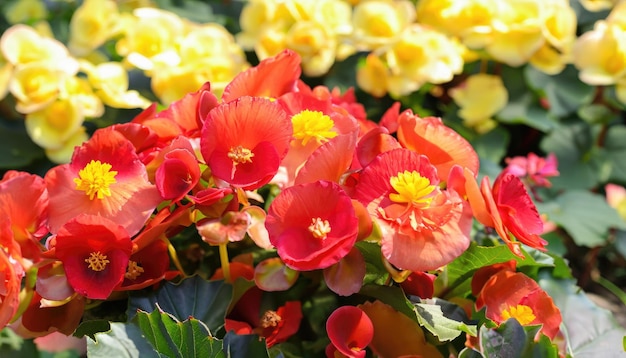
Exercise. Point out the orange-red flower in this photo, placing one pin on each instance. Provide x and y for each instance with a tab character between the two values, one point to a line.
178	171
507	207
423	226
95	252
312	225
271	78
510	294
244	141
11	273
147	267
350	330
106	178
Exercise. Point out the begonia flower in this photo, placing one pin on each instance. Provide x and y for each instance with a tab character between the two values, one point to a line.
106	178
39	319
312	225
510	294
271	78
244	141
11	273
178	172
533	169
507	207
420	284
441	144
423	227
147	267
95	252
616	198
483	274
350	331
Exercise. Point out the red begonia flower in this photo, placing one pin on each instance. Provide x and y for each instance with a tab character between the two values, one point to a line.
441	144
272	77
510	294
312	225
179	171
106	178
483	274
24	205
420	284
350	330
95	252
244	141
39	320
11	273
147	267
423	227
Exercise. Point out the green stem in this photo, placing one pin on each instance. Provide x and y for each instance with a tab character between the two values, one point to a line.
611	287
225	262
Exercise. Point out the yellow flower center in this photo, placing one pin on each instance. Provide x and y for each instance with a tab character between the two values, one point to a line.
95	178
309	125
411	187
240	155
523	314
134	270
97	261
270	319
319	228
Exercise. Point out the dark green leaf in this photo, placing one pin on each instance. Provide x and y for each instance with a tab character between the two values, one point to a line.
491	145
393	296
195	297
122	341
588	224
508	340
431	317
375	270
90	328
172	338
615	147
240	346
470	353
12	345
590	331
17	149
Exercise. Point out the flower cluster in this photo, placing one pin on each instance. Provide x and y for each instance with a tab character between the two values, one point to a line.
106	222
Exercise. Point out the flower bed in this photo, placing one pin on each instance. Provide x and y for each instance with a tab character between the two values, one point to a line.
374	178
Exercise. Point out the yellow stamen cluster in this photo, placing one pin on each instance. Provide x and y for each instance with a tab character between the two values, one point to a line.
133	271
308	125
240	155
97	261
319	228
270	319
95	178
411	187
523	314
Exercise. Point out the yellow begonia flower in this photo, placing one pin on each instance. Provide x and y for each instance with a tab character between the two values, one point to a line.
6	71
600	54
93	23
21	45
22	11
559	30
270	43
598	5
35	85
63	154
52	126
255	17
80	90
423	55
150	40
479	99
110	82
372	76
378	22
314	44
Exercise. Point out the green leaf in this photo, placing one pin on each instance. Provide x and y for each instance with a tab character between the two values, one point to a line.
90	328
173	338
565	92
492	145
195	297
615	147
393	296
17	149
122	341
12	345
572	144
584	215
431	317
375	269
590	331
513	340
470	353
244	346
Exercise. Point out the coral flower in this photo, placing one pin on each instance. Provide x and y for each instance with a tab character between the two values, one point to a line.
244	141
533	170
179	171
106	178
95	252
10	285
510	294
147	267
312	225
423	226
271	78
507	207
350	330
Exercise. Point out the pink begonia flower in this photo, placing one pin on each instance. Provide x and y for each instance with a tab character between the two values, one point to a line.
105	178
423	227
533	170
350	331
616	198
346	276
244	141
312	225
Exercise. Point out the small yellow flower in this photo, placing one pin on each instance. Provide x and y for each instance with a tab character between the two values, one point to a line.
377	23
63	154
93	22
23	11
52	126
480	98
